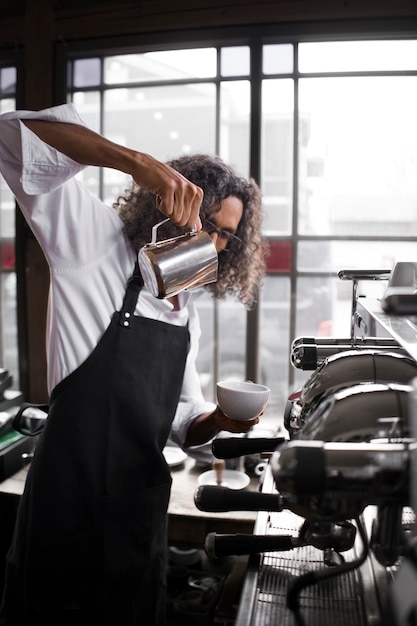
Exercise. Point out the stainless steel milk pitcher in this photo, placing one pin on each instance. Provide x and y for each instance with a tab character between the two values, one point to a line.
179	263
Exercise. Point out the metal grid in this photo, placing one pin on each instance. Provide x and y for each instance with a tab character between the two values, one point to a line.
351	599
337	601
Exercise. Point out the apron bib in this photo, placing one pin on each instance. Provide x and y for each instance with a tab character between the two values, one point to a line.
90	537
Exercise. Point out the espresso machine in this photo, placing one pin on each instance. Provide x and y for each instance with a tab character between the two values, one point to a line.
335	528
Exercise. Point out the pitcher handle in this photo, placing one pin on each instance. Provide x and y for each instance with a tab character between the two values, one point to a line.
155	228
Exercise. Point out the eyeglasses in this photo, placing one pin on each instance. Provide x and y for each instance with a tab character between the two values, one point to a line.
210	228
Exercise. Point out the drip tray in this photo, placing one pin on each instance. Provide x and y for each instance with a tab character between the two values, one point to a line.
334	602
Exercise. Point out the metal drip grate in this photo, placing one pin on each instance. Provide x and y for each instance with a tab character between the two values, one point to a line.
334	602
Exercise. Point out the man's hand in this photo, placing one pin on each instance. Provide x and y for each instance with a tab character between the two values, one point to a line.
176	197
234	426
208	425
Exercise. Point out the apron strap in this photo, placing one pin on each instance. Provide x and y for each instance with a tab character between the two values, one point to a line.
134	285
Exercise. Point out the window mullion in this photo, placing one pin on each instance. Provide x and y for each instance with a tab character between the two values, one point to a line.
252	318
294	228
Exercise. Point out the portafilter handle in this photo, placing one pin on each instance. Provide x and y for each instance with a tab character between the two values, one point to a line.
216	499
233	447
156	226
218	546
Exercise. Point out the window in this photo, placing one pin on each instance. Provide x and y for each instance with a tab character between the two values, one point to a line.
8	318
357	191
335	143
169	103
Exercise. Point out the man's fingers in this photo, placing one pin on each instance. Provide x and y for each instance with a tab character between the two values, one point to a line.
182	206
176	196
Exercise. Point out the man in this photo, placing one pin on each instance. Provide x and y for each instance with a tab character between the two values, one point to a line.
90	538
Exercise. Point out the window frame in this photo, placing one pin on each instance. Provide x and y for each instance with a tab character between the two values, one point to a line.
255	37
14	58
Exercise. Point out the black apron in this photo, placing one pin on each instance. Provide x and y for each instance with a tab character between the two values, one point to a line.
90	537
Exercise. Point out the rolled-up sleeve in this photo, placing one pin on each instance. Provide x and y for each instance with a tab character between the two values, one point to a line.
27	163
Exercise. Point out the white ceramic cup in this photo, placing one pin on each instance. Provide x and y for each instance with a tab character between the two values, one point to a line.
241	400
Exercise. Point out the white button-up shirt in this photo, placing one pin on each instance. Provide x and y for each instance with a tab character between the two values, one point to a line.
89	258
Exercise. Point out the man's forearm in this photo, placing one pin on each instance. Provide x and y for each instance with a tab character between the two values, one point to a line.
202	429
84	145
176	197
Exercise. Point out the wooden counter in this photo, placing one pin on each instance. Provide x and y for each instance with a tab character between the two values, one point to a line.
187	526
15	484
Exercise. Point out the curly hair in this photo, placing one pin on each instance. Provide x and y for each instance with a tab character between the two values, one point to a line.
240	271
